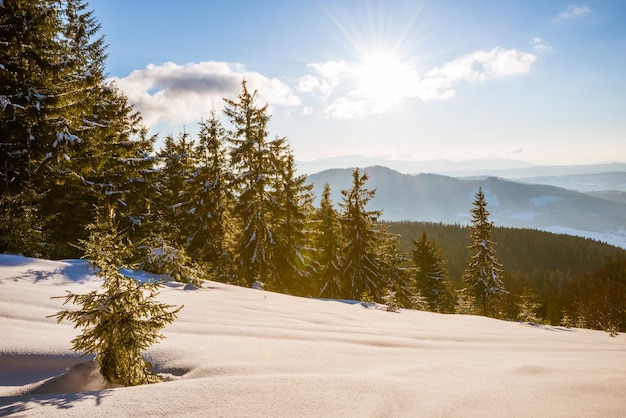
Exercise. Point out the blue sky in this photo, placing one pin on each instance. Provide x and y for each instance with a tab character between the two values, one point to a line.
538	81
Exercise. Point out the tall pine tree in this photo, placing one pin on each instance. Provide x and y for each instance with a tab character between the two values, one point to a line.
361	270
482	276
206	223
252	164
66	137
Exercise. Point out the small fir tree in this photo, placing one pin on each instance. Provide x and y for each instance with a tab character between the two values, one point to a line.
121	319
390	301
528	307
566	320
464	304
420	302
483	284
430	275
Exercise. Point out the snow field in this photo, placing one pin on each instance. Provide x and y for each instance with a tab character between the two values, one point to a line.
243	352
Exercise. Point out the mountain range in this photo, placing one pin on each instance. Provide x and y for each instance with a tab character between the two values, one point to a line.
497	167
519	203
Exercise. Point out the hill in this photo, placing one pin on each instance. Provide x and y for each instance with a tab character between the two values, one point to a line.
496	167
242	352
437	198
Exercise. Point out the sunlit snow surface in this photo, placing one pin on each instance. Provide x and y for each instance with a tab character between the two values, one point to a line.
236	352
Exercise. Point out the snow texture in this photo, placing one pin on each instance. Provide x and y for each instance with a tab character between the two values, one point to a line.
236	352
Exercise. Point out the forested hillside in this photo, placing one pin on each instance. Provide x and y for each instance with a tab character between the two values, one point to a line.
437	198
558	268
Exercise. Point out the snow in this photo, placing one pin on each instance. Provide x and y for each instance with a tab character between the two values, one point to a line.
242	352
616	238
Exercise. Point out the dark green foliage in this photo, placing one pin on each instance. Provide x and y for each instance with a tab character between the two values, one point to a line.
121	319
430	275
601	297
176	159
551	265
252	165
21	226
64	133
31	85
206	221
482	276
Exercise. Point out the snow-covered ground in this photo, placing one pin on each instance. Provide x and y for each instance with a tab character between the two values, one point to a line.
616	238
236	352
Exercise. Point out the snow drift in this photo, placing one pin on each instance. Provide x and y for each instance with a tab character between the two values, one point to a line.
244	352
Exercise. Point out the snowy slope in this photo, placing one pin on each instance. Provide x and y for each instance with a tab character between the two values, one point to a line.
238	352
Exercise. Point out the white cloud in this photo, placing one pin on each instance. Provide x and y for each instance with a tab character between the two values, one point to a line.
180	94
172	93
573	11
350	92
540	46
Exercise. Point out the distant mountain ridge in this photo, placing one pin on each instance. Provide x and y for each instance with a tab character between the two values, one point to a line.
497	167
438	198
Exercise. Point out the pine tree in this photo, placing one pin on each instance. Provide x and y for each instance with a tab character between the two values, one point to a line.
21	225
113	166
206	223
31	78
176	159
328	244
483	284
291	250
64	133
430	275
120	320
392	262
528	306
252	165
361	271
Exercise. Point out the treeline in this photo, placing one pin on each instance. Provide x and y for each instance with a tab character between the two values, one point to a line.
77	166
568	275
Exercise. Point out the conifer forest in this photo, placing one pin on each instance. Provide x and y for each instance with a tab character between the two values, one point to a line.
227	204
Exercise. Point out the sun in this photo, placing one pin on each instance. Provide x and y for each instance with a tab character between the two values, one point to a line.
381	75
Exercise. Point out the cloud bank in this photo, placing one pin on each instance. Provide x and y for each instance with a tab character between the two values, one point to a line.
341	85
179	94
172	93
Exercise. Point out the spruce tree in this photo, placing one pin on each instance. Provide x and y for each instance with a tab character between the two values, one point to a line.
392	262
328	244
65	134
483	284
177	163
31	79
527	307
120	320
291	251
206	223
252	164
361	271
430	275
